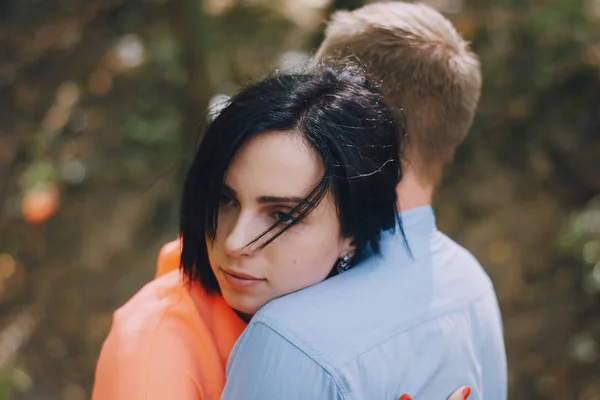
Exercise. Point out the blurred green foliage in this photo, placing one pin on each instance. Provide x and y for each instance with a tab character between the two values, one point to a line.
6	384
580	240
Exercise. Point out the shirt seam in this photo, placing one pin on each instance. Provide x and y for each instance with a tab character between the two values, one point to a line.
291	338
318	358
434	316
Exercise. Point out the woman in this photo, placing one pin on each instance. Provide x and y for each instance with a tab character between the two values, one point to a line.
292	182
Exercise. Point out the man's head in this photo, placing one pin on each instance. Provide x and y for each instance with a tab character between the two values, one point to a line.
429	77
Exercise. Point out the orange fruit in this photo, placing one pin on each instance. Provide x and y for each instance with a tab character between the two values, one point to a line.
40	204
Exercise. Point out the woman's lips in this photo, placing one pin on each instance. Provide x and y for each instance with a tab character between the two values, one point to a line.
238	280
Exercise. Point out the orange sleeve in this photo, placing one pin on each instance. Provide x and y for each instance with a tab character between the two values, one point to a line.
169	258
147	365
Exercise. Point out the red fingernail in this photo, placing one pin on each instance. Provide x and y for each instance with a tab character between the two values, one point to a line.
466	392
405	397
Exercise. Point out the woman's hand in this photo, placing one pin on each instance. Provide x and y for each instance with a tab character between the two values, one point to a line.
460	394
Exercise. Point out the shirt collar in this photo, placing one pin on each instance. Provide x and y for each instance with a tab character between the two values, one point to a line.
418	220
418	225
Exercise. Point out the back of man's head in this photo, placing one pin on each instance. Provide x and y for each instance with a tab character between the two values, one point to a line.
429	77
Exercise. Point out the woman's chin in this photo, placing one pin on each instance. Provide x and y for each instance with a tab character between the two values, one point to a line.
242	304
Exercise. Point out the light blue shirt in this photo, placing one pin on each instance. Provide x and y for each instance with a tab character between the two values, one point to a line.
424	324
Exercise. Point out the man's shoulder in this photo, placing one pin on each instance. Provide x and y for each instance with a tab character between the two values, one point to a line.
456	262
459	251
340	318
382	297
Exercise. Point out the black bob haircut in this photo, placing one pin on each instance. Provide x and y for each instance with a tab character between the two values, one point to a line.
342	117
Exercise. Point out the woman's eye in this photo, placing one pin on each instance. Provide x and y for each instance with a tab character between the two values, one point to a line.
283	218
225	200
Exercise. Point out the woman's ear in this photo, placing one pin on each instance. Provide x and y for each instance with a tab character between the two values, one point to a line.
347	247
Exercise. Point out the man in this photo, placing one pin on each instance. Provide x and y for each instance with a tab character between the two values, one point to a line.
422	320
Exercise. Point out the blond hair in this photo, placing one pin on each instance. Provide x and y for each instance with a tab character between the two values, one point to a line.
428	76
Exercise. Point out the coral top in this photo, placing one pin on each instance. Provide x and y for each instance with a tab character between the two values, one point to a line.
168	258
169	341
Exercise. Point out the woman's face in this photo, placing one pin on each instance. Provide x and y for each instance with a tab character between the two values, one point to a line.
266	179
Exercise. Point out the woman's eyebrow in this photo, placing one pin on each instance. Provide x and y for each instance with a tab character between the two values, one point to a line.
277	199
265	199
227	189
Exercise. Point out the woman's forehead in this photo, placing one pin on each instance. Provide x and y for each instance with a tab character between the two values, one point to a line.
278	163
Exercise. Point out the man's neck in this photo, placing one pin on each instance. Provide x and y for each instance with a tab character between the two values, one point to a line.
412	192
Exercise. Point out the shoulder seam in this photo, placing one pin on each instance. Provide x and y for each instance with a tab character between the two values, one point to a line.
448	310
305	349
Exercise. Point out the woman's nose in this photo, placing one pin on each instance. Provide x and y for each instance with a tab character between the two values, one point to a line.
239	236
